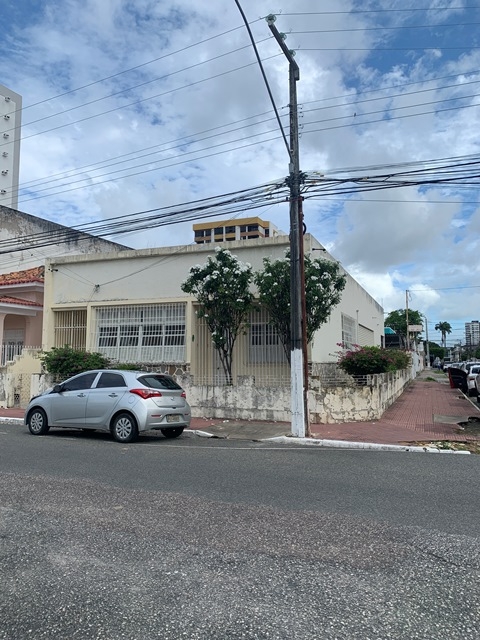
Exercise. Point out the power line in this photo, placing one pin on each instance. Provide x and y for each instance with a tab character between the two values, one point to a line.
122	91
89	177
158	95
382	28
269	91
361	11
52	178
139	66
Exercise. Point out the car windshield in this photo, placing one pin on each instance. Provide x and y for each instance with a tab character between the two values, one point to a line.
159	382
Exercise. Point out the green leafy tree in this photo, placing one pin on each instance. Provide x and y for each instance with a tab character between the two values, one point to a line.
65	362
435	350
222	288
397	320
323	288
444	328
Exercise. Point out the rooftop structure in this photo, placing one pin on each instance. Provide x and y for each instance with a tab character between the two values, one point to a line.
231	230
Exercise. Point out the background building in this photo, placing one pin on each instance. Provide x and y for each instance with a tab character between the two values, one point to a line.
241	229
472	333
10	132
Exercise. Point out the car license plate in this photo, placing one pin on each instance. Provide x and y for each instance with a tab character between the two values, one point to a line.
173	418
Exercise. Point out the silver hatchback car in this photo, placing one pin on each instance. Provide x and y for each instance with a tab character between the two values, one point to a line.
122	402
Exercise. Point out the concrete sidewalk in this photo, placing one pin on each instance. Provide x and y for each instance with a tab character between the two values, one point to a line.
427	411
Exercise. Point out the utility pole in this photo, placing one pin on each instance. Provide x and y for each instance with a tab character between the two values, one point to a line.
406	318
428	346
298	366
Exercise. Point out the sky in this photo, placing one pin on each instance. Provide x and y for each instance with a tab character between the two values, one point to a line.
136	105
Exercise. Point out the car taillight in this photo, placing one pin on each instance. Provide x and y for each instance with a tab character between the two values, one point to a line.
146	393
183	394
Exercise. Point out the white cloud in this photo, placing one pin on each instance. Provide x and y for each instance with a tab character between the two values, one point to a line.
370	97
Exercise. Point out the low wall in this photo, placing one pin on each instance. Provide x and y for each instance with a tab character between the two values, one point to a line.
331	400
16	378
367	399
346	400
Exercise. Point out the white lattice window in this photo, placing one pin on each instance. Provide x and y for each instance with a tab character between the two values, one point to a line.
142	333
264	343
348	331
70	328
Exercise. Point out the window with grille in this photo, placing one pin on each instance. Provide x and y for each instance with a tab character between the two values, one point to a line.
142	333
70	328
264	342
348	331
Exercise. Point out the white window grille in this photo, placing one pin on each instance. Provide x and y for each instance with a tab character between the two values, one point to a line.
264	343
142	333
348	331
258	354
70	328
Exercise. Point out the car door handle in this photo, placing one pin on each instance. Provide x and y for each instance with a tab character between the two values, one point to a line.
81	395
113	395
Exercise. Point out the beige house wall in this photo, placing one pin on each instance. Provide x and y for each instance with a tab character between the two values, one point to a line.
156	275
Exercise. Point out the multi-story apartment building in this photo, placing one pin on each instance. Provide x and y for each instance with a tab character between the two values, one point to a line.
10	132
472	333
241	229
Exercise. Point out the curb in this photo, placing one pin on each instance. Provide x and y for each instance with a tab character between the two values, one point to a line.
313	442
345	444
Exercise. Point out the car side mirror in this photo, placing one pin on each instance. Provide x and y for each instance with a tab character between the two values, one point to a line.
58	388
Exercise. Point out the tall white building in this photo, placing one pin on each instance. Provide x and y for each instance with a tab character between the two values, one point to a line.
10	132
472	333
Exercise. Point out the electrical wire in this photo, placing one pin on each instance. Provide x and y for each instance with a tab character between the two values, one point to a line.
267	85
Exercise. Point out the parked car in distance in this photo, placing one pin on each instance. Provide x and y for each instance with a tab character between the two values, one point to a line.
472	375
477	387
124	403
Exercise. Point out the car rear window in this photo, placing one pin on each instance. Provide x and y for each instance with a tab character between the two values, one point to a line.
159	382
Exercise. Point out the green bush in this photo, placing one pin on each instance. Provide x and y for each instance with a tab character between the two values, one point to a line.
367	360
64	362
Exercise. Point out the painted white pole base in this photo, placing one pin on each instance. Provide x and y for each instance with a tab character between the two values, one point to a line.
297	405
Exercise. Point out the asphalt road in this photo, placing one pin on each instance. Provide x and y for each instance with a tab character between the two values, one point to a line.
212	539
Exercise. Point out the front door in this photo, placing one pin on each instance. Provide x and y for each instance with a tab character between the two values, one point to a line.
68	407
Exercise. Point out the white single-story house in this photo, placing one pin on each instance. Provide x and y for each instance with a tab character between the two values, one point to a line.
129	305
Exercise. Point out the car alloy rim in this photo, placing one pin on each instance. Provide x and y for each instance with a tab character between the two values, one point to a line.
123	428
36	422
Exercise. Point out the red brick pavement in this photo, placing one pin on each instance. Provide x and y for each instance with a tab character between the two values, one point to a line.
426	411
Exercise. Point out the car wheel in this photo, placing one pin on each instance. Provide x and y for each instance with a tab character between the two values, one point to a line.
124	428
37	422
174	432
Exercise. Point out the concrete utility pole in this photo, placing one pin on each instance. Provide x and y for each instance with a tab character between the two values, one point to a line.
297	275
406	318
428	346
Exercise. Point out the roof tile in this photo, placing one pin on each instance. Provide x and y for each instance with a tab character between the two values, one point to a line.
36	274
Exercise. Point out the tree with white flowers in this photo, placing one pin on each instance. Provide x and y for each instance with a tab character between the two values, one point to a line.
222	289
324	284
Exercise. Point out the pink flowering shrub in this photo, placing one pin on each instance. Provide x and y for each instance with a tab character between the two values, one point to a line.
360	361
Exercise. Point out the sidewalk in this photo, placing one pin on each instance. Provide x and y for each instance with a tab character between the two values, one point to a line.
427	411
